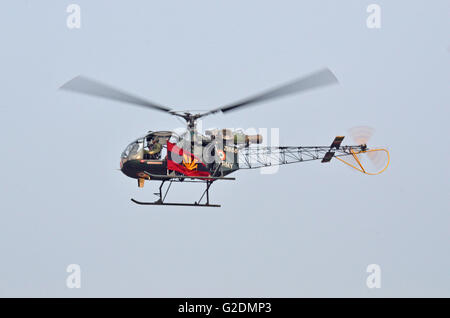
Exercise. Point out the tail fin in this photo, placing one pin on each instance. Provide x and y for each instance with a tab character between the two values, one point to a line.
335	144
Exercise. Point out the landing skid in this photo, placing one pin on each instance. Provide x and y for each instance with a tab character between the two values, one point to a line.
176	204
162	197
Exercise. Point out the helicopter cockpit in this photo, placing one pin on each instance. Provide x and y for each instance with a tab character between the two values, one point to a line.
152	146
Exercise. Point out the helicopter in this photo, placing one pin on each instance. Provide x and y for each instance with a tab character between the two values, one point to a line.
191	156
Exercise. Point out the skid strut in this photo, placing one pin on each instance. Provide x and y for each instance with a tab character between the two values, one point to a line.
162	197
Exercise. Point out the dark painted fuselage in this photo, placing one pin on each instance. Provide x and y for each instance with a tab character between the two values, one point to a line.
136	168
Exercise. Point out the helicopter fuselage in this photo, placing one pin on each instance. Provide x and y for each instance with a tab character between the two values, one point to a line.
209	157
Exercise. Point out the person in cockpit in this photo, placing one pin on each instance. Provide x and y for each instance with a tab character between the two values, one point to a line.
154	149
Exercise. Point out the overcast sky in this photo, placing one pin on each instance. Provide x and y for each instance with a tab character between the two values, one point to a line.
311	229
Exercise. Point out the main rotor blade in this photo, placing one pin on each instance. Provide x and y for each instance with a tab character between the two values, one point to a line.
84	85
315	80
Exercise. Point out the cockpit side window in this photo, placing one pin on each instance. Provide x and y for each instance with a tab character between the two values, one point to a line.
154	146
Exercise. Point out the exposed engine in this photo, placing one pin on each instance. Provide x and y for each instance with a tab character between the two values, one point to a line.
238	137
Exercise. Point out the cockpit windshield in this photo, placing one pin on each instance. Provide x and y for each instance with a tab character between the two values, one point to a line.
133	150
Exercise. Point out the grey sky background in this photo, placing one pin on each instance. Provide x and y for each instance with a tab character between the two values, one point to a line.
309	230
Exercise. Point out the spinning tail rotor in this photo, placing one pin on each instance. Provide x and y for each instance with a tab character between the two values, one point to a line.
371	161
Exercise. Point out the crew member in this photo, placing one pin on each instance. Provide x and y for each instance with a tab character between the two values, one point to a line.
154	149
